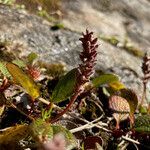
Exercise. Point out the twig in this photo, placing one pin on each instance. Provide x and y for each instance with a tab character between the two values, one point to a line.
86	126
91	125
96	100
44	101
122	145
130	140
98	125
10	104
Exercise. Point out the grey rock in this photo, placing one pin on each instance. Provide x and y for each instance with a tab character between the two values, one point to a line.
111	17
64	46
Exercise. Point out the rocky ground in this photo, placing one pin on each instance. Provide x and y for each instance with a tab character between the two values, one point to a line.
111	17
122	28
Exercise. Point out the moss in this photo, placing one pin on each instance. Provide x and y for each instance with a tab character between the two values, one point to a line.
129	48
7	2
112	40
57	26
32	5
7	49
55	70
135	51
48	9
5	55
44	14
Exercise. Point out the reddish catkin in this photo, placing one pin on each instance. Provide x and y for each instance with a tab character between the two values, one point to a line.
87	56
34	72
146	78
146	68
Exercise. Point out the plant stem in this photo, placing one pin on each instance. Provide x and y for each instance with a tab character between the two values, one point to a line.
73	98
144	94
149	108
50	107
132	120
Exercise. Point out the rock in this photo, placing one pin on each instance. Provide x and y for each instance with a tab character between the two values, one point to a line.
123	18
64	46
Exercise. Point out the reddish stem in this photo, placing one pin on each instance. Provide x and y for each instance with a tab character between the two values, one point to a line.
144	94
132	120
73	98
117	125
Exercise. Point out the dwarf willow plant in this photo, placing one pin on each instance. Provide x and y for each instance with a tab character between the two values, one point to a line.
70	85
123	102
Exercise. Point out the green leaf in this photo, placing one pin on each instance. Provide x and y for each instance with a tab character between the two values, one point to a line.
143	120
26	82
19	63
31	57
117	85
142	124
41	129
143	129
69	137
4	70
104	79
65	87
142	109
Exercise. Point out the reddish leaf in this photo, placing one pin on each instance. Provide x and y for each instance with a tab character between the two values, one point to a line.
120	108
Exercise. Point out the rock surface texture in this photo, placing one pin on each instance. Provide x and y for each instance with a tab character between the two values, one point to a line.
35	34
111	17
